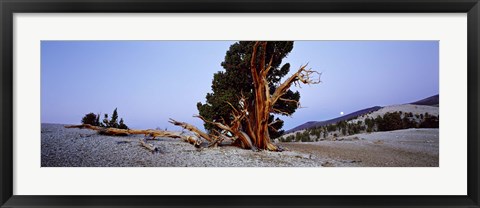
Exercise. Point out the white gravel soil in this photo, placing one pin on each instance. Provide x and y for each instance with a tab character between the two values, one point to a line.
63	147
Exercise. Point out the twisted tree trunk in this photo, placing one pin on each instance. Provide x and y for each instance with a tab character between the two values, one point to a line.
264	101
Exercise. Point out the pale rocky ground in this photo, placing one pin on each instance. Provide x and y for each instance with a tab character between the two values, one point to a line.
61	147
400	148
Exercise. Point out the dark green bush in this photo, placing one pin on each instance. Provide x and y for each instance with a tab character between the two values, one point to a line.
390	121
430	121
90	118
94	120
122	125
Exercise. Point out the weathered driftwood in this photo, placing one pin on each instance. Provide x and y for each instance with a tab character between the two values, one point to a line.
150	134
150	147
125	132
84	126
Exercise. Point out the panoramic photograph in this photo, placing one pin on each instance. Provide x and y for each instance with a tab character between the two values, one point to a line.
240	103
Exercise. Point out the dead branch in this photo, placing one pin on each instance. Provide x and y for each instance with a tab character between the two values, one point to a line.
297	103
280	111
192	129
150	133
84	126
193	140
218	138
302	75
150	147
217	124
234	129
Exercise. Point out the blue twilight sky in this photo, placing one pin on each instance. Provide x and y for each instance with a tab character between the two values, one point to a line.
151	81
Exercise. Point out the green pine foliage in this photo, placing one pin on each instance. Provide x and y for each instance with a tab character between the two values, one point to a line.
391	121
90	118
430	121
114	121
122	125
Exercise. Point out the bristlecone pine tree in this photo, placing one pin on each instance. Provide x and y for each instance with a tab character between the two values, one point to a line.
237	80
248	124
249	117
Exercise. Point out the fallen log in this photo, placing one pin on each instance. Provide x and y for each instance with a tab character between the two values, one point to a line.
84	126
113	132
126	132
152	134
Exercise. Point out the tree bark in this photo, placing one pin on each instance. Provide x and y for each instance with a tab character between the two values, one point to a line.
257	123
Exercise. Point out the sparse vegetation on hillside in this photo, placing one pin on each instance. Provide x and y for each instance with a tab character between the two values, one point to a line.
388	122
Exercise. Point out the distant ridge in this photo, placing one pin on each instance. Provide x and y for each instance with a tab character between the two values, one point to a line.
431	101
312	124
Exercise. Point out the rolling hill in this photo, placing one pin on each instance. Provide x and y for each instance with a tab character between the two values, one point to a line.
312	124
424	105
431	101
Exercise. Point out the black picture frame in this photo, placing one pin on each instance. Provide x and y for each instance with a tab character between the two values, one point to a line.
9	7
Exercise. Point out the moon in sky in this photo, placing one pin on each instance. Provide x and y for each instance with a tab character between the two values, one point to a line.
341	113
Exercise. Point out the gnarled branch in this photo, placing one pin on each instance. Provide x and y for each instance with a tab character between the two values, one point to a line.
302	75
192	129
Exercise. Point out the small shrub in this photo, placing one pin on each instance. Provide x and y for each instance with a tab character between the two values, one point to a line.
122	125
91	119
430	121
